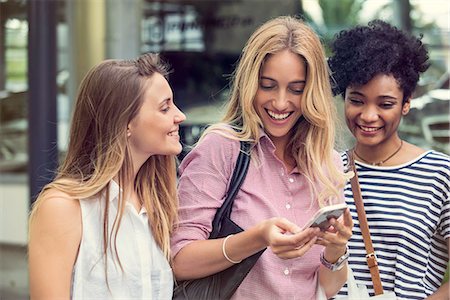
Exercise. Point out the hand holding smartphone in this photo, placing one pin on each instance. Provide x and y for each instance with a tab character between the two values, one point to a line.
322	216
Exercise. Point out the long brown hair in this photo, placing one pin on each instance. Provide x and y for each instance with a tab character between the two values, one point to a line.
313	141
109	97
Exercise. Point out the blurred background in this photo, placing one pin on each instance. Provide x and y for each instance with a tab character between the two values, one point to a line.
46	47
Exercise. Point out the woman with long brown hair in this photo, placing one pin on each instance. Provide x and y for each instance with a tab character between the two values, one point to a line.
101	228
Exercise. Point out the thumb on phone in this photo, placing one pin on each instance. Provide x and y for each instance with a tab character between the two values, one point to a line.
287	226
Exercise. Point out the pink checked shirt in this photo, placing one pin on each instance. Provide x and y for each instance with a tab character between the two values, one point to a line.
268	191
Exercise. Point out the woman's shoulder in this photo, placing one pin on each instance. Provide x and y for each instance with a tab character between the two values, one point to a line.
338	159
55	212
54	204
336	155
215	148
221	134
424	160
438	157
53	198
217	143
435	163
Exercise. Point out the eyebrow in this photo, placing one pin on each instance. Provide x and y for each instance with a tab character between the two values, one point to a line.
162	102
271	79
381	96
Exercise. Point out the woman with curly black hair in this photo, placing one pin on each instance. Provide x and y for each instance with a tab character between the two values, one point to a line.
405	189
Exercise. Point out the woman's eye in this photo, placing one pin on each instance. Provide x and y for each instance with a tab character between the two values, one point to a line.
165	109
355	101
297	92
297	88
387	105
266	87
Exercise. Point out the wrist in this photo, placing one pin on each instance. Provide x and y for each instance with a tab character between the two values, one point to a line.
332	255
262	239
224	251
336	265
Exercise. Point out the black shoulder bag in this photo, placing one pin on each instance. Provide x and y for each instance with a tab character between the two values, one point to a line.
222	285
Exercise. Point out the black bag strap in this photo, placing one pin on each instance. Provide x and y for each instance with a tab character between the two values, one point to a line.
239	173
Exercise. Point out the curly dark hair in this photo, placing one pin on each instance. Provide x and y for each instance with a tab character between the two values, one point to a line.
362	52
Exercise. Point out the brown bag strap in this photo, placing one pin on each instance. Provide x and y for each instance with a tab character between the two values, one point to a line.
370	256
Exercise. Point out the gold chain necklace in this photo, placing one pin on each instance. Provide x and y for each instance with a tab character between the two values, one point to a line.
381	161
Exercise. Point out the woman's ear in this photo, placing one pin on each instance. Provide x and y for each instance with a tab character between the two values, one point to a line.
406	107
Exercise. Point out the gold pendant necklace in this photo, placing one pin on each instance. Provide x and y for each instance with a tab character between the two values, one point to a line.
381	161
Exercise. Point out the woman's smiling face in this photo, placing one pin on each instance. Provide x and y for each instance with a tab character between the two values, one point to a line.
154	131
374	110
277	101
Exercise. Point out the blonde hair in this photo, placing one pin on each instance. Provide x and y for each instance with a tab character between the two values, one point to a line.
313	141
109	97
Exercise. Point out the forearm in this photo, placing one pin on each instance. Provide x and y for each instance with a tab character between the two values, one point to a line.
442	293
332	282
202	258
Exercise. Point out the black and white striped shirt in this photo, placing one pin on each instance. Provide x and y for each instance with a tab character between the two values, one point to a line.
408	212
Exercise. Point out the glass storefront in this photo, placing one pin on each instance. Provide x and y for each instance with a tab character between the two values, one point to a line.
202	41
13	87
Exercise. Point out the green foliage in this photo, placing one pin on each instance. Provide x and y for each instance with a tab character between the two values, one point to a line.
340	14
343	14
337	15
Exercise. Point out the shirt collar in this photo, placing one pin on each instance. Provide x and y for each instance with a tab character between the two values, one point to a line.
263	137
114	190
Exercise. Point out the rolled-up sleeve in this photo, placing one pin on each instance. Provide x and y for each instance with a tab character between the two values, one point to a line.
204	178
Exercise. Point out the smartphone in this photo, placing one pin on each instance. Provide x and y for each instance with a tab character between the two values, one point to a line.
322	216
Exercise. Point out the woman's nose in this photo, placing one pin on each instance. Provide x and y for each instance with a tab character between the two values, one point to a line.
281	101
179	116
369	114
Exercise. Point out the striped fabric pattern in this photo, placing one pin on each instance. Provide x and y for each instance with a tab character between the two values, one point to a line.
408	211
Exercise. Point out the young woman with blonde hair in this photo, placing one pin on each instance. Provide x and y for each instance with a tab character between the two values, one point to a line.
101	228
281	102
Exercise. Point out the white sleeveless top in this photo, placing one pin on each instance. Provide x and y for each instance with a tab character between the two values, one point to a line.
146	272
